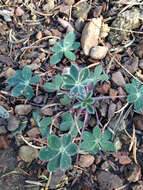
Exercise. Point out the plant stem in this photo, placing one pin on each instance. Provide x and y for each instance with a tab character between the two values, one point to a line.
75	120
83	128
108	97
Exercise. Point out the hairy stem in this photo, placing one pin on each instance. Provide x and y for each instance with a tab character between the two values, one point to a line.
83	128
108	97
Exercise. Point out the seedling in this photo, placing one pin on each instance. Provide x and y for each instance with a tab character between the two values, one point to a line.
64	47
135	90
58	152
21	82
93	142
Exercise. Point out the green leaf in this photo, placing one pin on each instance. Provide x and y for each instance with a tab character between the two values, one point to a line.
93	142
107	135
35	79
44	129
98	70
45	122
75	46
65	100
82	91
54	164
131	98
57	47
68	79
4	113
69	39
136	83
36	116
50	87
28	92
65	161
71	149
66	140
74	72
74	91
66	125
58	81
18	90
47	153
107	146
21	82
70	55
131	89
56	58
84	74
90	109
54	142
97	132
27	73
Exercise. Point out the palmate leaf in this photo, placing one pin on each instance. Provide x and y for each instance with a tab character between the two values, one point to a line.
135	95
69	40
58	152
97	76
68	54
64	47
74	72
92	142
56	58
21	82
65	100
27	73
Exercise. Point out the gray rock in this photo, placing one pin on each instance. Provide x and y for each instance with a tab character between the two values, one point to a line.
13	123
90	34
27	153
107	180
132	64
98	52
23	109
81	10
118	79
38	99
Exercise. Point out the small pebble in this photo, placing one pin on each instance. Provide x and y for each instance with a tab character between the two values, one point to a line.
86	160
98	52
27	153
38	99
23	109
118	79
13	123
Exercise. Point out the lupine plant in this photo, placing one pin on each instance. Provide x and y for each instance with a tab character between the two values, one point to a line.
21	83
58	152
64	47
76	90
